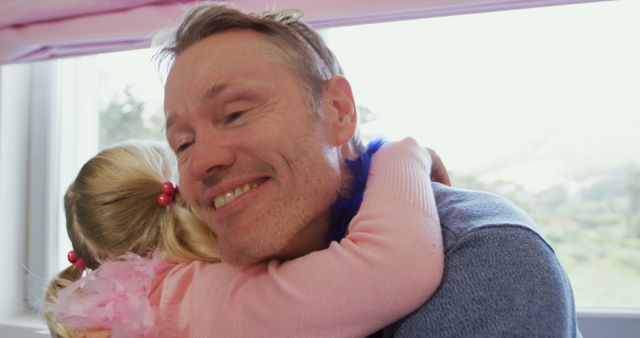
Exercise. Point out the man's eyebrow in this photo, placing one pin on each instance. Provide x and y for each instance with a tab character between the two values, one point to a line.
214	90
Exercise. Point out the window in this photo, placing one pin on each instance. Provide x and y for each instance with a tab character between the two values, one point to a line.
538	105
55	115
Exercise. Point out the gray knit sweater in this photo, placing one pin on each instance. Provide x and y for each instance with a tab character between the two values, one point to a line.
501	279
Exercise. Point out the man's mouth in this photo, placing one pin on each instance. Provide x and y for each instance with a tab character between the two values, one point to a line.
229	196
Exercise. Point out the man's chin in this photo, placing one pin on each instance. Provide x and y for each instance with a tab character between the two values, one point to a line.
241	256
240	260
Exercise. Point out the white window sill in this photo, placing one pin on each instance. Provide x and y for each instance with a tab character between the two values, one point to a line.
24	327
621	323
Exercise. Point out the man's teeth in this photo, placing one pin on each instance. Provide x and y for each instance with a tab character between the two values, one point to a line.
230	196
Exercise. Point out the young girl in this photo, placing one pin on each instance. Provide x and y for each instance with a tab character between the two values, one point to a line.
155	270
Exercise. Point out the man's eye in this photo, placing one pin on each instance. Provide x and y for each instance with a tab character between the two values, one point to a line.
233	116
182	147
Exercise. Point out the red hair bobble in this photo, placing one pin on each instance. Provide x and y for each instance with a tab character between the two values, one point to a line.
168	194
73	258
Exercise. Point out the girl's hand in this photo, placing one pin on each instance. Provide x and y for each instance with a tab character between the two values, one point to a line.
438	170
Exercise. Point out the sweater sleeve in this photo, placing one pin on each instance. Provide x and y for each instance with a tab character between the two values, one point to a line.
502	278
389	263
501	281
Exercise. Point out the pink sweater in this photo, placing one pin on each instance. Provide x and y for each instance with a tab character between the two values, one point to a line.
389	263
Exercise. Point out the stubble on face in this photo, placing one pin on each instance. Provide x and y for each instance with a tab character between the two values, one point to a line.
293	225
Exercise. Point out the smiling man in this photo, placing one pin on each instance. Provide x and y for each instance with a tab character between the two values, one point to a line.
260	166
262	122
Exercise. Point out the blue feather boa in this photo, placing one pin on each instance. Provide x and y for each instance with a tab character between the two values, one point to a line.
346	207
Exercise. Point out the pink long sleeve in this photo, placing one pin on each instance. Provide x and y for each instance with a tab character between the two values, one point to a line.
390	262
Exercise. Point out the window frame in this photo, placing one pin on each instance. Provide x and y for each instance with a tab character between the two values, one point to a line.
16	169
39	141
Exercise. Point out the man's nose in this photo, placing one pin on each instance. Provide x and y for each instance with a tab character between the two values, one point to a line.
209	156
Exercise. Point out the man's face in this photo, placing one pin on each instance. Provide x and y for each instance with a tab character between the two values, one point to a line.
255	162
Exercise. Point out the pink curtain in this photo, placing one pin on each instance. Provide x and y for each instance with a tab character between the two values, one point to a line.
33	30
37	30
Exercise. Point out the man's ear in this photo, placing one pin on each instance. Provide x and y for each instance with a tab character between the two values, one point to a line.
340	109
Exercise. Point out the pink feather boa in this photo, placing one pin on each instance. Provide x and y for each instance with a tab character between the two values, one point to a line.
114	296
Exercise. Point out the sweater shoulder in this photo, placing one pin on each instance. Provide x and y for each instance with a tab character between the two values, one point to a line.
464	211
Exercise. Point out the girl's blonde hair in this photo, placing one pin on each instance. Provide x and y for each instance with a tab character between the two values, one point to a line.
111	210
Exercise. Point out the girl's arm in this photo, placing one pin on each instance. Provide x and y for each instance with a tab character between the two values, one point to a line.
389	264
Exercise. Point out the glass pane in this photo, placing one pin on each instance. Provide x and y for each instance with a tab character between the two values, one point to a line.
131	95
538	105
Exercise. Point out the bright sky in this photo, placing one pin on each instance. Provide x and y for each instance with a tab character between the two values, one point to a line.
136	69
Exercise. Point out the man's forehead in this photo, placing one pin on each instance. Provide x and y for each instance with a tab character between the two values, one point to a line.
223	61
207	61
